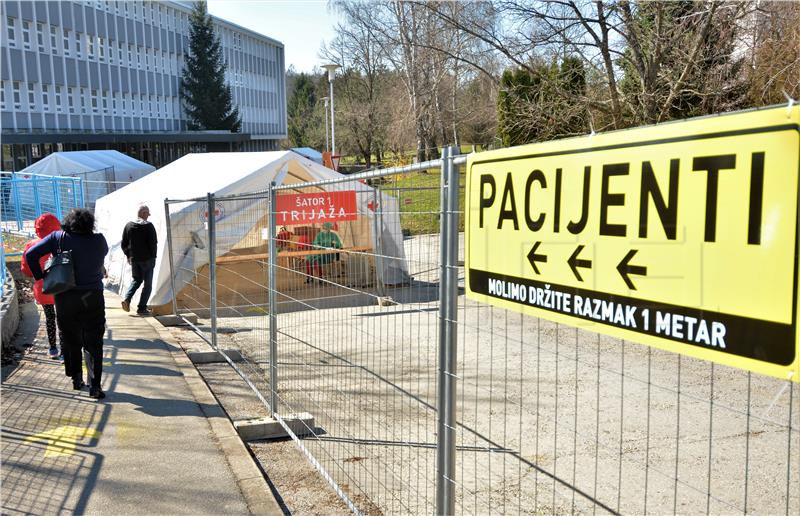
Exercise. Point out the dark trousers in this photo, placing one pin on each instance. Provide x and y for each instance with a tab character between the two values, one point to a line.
142	273
81	316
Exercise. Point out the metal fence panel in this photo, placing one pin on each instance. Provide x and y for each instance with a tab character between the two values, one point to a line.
25	198
517	415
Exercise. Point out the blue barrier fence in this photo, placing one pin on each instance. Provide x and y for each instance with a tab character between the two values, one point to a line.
24	198
2	266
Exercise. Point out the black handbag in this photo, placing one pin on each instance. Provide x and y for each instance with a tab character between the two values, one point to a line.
59	273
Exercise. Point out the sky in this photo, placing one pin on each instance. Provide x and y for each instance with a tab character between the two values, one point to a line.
301	25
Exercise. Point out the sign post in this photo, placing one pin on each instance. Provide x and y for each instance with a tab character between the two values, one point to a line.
682	236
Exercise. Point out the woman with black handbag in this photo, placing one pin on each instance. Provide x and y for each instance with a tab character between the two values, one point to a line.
80	308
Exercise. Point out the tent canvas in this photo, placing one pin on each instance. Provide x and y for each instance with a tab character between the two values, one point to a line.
308	152
193	177
103	171
76	163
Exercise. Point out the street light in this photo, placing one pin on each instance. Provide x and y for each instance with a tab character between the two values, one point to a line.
331	72
327	141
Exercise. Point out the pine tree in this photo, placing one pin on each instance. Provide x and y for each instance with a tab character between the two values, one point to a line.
300	111
206	97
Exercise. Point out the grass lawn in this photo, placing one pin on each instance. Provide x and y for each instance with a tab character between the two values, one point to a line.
419	197
13	244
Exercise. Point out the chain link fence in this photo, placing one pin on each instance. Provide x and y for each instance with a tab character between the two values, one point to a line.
344	299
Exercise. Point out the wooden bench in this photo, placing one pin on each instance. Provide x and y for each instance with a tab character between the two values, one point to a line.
240	258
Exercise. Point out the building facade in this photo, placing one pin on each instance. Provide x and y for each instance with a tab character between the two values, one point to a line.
106	74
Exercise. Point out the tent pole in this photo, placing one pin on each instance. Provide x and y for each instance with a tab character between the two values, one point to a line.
171	263
378	251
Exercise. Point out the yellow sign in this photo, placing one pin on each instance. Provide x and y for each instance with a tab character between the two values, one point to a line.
682	236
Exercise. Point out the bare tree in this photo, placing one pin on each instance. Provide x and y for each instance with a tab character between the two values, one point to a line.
772	41
362	88
661	48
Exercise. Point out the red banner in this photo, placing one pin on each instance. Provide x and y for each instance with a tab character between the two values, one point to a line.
316	208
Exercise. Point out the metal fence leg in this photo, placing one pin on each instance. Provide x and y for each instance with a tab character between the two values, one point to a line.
448	299
37	202
57	198
376	225
82	197
17	210
212	268
273	307
171	263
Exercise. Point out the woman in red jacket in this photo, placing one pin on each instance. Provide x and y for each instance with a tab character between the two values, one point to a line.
44	225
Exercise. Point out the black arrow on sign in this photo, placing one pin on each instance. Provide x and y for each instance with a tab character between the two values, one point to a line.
533	257
624	269
574	262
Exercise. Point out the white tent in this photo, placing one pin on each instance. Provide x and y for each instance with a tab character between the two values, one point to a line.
80	163
196	175
103	171
308	152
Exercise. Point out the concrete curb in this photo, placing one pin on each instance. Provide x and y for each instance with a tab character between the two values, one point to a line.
9	308
246	473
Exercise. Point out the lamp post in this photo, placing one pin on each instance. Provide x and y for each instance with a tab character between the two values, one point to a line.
327	141
331	72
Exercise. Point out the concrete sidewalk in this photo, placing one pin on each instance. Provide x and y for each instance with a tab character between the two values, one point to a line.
157	444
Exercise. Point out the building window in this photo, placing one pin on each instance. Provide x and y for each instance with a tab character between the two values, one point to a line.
90	46
53	40
78	39
130	49
105	102
31	97
101	48
147	59
17	95
94	101
139	57
66	42
26	34
12	36
124	105
40	36
2	94
59	107
83	100
114	105
45	98
119	52
70	100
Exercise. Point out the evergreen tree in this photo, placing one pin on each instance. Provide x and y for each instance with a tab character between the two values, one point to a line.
206	98
543	103
300	111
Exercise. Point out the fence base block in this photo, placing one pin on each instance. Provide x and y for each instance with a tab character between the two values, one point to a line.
175	320
212	357
269	428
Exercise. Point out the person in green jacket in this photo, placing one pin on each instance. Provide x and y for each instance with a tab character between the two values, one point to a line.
325	239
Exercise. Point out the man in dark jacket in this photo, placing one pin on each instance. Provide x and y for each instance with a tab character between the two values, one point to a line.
139	245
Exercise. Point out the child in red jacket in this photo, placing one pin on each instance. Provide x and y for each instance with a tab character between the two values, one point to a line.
44	225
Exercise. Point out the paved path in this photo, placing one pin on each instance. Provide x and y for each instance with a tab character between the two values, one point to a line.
157	444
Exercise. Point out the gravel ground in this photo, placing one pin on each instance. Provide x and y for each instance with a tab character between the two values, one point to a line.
552	419
299	487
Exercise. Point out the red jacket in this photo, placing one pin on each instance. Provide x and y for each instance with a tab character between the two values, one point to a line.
44	225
